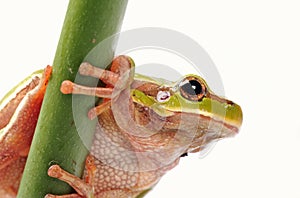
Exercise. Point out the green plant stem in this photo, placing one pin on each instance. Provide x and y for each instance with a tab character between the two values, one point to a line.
56	140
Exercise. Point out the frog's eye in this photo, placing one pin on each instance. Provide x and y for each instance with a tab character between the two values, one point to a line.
192	88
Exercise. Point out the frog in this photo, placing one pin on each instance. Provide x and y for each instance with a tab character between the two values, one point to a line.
145	126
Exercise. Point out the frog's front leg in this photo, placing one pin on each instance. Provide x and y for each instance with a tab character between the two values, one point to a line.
121	73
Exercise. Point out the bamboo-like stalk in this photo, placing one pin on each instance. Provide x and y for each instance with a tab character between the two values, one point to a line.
56	140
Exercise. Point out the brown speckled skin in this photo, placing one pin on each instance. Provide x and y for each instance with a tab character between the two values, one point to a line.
18	121
118	167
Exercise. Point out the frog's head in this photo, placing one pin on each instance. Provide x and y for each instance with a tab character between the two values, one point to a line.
188	107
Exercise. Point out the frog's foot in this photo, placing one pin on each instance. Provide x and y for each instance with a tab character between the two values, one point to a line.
81	187
120	66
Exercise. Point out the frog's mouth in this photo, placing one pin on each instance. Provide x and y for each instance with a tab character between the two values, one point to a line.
203	130
194	125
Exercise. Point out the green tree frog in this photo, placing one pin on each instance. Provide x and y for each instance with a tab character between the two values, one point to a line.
145	125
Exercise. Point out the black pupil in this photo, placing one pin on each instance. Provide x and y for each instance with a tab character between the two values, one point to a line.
192	88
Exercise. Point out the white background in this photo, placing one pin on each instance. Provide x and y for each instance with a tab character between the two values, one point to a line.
255	46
